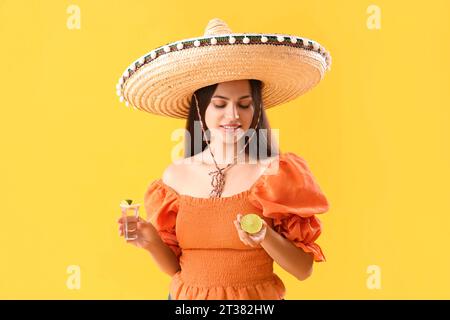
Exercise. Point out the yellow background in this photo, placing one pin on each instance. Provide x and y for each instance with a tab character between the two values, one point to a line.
375	133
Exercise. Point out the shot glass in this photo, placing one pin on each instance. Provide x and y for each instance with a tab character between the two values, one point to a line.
130	213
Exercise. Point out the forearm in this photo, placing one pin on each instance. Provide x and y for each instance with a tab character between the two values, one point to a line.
164	257
291	258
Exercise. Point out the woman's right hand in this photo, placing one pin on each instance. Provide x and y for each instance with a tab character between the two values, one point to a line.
145	231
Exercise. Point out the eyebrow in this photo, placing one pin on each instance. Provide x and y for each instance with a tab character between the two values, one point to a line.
225	98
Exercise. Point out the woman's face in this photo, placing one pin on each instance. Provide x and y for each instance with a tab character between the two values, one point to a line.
231	104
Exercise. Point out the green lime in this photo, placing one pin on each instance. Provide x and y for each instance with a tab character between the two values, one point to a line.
251	223
126	202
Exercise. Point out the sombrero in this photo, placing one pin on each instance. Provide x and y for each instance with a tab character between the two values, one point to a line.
163	81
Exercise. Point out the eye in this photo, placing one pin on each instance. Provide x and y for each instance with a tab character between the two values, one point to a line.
223	106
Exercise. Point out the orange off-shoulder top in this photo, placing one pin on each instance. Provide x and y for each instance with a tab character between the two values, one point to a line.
215	264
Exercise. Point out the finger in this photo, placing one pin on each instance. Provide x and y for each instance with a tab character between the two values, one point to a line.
256	240
132	222
249	243
244	238
257	235
132	228
132	236
252	238
132	219
242	234
252	243
126	219
141	222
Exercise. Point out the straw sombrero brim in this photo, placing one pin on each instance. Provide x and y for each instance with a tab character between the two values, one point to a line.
163	81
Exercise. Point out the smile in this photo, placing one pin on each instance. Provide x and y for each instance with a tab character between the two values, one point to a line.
231	129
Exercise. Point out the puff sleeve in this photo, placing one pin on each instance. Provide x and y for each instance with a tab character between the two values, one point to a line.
161	205
291	196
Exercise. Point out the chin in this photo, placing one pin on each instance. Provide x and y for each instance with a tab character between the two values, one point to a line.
230	136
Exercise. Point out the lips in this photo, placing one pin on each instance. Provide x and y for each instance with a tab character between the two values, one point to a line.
230	128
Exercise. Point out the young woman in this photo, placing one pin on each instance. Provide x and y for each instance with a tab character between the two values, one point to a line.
193	230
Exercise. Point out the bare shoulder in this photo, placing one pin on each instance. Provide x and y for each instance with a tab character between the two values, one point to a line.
266	162
268	165
176	173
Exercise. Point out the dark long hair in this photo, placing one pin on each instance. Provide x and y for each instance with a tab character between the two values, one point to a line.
263	138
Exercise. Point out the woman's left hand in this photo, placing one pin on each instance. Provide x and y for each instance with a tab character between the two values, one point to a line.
251	239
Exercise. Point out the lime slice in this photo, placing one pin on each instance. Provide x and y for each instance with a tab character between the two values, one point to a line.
126	202
251	223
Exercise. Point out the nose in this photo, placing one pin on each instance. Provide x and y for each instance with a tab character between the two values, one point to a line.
232	112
